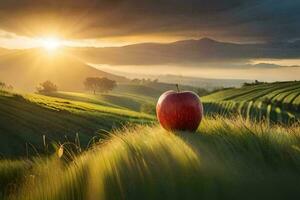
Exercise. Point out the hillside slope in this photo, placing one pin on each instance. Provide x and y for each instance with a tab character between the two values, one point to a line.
225	159
151	90
114	99
26	118
25	69
278	102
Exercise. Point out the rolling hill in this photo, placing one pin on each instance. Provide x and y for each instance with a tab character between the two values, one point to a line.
150	90
25	119
25	69
225	159
129	101
277	102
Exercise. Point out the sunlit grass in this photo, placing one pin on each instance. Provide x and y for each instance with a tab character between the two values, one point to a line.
77	106
115	100
225	159
12	174
27	118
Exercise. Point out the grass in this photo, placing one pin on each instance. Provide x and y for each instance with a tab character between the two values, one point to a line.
130	157
149	90
254	92
25	119
11	173
258	100
115	100
225	159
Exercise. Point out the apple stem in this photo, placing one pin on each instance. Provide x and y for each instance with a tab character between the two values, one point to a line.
177	86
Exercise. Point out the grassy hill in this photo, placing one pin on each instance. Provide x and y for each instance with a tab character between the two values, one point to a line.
276	102
27	118
25	69
151	90
225	159
115	100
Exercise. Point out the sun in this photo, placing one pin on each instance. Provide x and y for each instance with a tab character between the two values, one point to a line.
50	44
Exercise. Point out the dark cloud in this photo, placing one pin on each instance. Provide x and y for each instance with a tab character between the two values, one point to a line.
271	20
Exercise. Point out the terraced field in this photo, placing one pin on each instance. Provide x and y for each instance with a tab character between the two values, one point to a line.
274	102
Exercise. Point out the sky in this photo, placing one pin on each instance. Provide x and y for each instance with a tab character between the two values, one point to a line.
107	23
119	22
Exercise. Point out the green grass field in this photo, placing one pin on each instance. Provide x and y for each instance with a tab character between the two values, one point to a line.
276	102
225	159
26	119
115	100
70	145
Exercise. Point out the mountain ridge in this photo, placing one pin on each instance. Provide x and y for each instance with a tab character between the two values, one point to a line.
185	52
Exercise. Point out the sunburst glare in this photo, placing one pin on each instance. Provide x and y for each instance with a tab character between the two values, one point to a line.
50	44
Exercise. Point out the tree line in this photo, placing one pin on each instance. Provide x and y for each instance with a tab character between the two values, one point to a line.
93	84
96	84
4	86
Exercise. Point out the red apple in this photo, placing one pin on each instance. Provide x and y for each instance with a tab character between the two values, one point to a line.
179	110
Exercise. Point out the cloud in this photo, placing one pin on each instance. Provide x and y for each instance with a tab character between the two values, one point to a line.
6	35
13	41
239	20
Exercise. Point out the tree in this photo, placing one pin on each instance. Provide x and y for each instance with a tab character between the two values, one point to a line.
136	81
97	84
2	85
10	87
256	82
46	87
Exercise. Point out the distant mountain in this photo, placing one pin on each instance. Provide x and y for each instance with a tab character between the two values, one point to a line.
185	52
269	65
25	69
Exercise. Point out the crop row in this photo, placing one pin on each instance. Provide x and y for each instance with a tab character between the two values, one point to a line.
287	92
254	110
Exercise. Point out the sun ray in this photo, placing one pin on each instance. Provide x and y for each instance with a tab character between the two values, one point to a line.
50	44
